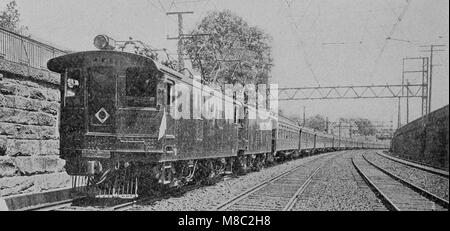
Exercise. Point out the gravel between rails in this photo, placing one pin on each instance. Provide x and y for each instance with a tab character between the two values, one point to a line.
433	183
338	187
209	197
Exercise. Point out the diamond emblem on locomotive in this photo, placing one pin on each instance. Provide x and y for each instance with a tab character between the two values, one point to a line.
102	115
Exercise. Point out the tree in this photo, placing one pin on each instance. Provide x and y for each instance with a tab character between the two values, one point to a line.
363	126
232	52
317	122
10	18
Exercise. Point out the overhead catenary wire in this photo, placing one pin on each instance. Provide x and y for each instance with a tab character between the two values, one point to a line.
300	42
391	33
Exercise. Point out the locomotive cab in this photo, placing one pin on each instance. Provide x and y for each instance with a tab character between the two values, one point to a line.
110	96
112	105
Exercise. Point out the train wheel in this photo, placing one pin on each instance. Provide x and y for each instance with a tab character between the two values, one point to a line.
259	162
211	173
296	154
270	159
205	173
242	165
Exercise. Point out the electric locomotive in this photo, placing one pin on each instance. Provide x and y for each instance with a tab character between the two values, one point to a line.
121	134
118	131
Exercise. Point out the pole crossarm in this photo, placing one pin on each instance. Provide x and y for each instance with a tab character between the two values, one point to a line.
350	92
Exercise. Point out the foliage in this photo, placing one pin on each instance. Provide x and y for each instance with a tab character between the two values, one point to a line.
363	126
317	122
232	52
10	18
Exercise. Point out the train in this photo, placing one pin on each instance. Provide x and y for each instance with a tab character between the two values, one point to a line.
119	135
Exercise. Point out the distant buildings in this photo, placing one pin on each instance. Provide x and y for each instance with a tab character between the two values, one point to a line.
348	130
385	133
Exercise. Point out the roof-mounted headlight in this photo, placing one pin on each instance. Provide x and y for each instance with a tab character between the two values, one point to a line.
104	42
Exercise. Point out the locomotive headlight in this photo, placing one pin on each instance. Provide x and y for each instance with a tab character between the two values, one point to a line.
104	42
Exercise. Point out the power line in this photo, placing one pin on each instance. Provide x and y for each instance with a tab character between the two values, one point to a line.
172	4
391	33
180	35
162	6
295	27
160	9
154	5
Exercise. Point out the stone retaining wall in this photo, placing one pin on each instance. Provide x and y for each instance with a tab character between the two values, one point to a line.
29	138
425	140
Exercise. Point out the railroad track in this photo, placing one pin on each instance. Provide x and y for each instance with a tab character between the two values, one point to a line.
52	206
279	193
129	204
117	207
415	165
397	194
77	204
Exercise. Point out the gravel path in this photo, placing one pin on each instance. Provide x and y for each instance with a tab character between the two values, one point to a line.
338	187
208	198
435	184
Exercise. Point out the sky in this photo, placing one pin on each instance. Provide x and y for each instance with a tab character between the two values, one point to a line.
315	42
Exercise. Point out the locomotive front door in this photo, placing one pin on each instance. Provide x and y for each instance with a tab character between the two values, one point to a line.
171	94
101	99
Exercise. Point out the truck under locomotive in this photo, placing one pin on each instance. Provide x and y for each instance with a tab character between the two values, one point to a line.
118	134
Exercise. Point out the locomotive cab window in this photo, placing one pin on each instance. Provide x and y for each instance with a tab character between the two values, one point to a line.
141	85
169	93
73	91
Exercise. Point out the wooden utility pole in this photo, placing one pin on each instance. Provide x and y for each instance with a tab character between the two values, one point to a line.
180	37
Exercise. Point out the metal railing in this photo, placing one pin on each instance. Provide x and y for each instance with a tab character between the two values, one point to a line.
26	51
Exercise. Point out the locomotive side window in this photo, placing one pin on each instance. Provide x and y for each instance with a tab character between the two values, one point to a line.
169	89
73	90
141	87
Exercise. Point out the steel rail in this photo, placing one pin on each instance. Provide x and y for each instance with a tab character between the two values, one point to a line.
52	206
427	194
248	192
415	165
291	201
386	200
302	188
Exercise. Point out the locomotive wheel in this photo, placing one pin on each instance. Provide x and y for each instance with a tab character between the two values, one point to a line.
296	155
211	173
259	162
205	173
270	159
242	165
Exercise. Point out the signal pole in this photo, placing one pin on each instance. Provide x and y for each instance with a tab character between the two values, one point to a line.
407	101
430	85
424	86
179	38
399	118
339	134
350	131
304	115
